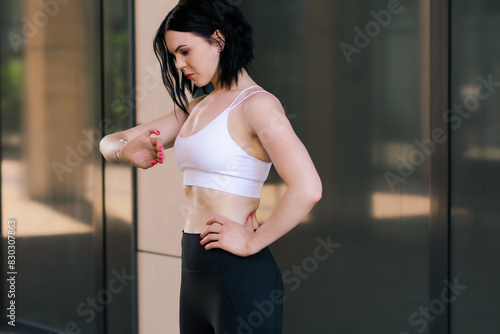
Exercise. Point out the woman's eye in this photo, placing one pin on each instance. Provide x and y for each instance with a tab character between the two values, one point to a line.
184	53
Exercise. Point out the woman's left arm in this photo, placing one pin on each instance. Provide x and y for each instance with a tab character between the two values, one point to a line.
266	118
292	162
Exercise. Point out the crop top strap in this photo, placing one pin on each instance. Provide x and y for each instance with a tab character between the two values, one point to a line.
233	105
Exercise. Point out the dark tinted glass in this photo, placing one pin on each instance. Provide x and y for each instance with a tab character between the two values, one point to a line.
51	168
353	77
475	154
118	113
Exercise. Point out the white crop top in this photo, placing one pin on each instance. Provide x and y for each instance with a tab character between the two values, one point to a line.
210	158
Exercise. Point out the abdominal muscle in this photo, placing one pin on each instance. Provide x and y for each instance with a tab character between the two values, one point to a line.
204	203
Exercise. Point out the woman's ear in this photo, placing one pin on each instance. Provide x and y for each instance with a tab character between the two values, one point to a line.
219	37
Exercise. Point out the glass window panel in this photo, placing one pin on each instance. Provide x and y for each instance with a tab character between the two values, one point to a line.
51	168
119	229
475	162
353	77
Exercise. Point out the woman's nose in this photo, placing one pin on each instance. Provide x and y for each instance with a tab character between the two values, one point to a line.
180	64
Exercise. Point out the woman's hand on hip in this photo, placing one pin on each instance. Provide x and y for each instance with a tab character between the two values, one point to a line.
144	151
226	234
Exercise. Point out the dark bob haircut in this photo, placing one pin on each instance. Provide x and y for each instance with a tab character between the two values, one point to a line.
203	18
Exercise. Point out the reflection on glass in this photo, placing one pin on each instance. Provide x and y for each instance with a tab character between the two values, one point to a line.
50	174
34	218
482	153
357	119
389	205
475	165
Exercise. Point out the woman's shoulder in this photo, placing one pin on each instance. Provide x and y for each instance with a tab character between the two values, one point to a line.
263	111
262	101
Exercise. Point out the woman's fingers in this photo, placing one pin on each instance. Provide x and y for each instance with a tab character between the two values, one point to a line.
214	228
154	131
147	149
212	240
213	244
161	155
157	147
222	232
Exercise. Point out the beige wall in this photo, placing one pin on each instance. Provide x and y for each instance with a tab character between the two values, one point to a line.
160	193
161	201
55	58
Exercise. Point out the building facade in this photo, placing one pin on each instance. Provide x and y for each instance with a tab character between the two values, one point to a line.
396	101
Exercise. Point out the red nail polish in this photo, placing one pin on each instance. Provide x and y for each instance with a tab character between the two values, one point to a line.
158	132
251	214
201	236
154	163
205	247
201	242
161	156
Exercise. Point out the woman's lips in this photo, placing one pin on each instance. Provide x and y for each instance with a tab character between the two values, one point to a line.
189	76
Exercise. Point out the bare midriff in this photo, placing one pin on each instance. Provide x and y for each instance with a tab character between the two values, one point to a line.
204	203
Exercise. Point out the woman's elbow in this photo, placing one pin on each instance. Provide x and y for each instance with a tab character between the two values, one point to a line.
316	192
105	146
313	191
102	145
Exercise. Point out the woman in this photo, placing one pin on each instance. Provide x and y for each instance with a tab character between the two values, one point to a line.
225	143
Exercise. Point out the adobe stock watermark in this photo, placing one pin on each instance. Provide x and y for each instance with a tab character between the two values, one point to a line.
75	156
436	307
372	29
455	116
294	278
299	273
104	297
31	26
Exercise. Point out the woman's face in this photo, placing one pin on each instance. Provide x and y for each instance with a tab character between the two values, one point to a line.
194	56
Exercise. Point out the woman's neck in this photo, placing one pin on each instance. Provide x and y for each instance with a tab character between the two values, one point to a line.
244	81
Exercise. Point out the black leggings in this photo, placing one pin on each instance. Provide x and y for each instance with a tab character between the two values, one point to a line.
222	293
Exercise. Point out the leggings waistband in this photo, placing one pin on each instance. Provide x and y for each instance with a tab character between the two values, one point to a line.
194	256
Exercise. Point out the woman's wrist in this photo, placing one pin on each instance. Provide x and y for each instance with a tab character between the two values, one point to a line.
253	244
116	151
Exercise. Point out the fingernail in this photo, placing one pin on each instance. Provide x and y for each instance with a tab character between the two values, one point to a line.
161	156
201	236
251	214
205	247
158	132
201	242
154	163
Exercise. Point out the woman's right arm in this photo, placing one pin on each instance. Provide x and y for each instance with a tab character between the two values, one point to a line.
142	146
